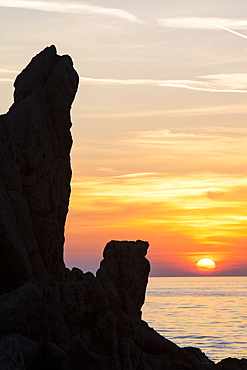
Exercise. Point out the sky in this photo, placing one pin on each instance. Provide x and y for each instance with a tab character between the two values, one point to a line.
159	124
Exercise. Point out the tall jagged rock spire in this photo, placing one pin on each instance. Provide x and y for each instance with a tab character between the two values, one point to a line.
36	171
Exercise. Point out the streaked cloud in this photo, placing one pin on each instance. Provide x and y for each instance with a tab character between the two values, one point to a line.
70	7
164	134
187	112
155	187
215	139
6	79
236	81
205	207
227	83
234	32
11	71
221	83
6	72
203	23
217	144
234	194
179	150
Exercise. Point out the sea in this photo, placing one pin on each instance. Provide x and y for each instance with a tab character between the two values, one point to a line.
206	312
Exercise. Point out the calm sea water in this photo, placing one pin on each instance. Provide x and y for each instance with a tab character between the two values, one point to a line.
205	312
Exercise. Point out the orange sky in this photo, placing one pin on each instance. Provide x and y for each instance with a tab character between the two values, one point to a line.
183	218
159	124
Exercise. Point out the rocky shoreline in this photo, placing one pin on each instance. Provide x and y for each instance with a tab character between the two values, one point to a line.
52	317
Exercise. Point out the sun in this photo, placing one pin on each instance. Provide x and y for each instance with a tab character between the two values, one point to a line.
206	265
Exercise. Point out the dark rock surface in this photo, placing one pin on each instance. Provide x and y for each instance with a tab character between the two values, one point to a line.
51	317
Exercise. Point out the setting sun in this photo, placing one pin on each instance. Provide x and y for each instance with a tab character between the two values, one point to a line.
206	265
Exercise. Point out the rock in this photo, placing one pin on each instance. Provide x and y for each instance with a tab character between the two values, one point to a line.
24	311
124	274
15	264
232	364
56	357
36	143
10	355
84	300
198	355
35	178
30	351
51	317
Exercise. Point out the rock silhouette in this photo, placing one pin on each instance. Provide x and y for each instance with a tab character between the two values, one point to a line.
52	317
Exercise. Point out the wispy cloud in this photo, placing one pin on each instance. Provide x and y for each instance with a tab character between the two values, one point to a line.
234	32
11	71
160	134
203	23
227	83
212	141
236	81
210	110
212	137
5	73
70	7
5	79
223	83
